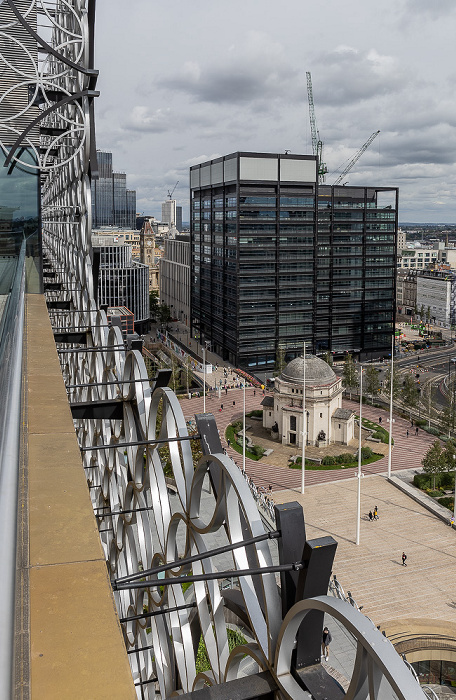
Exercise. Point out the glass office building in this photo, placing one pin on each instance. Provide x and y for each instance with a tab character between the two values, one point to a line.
278	259
112	203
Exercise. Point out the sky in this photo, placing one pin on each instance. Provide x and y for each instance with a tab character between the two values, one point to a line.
184	81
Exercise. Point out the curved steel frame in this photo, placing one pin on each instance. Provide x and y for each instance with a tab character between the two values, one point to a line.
139	525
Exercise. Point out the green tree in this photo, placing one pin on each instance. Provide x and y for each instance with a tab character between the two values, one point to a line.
449	456
350	375
447	417
396	382
164	314
153	303
280	363
372	382
328	358
410	394
433	461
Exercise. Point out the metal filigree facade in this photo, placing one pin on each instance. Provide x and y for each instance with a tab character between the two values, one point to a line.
46	106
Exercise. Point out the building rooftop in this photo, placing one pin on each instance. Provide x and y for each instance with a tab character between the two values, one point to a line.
317	371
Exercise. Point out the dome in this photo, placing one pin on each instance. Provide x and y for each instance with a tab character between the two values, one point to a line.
317	371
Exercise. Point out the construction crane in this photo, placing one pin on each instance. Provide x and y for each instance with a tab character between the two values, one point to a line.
317	143
170	194
356	157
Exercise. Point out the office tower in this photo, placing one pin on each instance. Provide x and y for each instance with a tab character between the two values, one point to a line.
169	213
122	281
112	203
278	259
179	218
175	277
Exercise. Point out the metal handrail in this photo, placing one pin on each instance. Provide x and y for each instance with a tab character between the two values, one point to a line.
11	341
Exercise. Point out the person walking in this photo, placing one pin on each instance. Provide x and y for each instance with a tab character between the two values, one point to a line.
375	513
371	517
407	433
416	430
404	558
228	442
326	640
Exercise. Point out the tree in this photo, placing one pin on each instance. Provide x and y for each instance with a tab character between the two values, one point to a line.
164	314
396	382
433	461
279	361
153	303
410	393
328	358
372	381
449	456
447	416
350	375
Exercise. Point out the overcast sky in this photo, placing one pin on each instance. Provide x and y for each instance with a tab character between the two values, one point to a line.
183	81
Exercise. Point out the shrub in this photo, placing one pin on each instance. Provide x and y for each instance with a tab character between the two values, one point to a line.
256	413
446	501
378	436
345	458
258	450
237	426
447	480
420	422
366	453
431	430
421	481
328	460
434	494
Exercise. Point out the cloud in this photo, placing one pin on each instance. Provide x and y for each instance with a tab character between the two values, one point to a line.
346	75
434	10
255	69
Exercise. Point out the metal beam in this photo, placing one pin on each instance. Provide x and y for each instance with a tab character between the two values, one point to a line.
93	410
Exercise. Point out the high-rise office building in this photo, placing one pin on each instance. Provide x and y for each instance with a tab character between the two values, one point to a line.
179	218
112	203
169	213
278	259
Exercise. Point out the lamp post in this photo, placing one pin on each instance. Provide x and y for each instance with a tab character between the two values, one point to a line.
358	511
303	458
243	432
391	411
204	378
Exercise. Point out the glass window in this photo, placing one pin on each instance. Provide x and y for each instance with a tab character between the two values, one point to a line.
20	220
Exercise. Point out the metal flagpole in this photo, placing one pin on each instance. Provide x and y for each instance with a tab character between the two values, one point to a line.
358	516
204	379
303	469
391	410
243	439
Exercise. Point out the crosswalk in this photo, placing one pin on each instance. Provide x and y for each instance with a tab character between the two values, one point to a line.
407	452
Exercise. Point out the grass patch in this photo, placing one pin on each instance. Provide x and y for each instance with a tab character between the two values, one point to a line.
324	467
257	413
230	435
235	639
380	433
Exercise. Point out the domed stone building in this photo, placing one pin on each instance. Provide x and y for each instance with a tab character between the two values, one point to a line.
327	422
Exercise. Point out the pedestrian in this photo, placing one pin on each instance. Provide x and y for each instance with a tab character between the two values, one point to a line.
404	557
254	392
371	517
451	523
416	430
380	420
375	513
407	433
228	442
234	403
226	390
326	640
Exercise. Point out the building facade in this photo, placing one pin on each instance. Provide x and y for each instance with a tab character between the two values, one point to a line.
436	291
112	203
122	281
175	277
278	259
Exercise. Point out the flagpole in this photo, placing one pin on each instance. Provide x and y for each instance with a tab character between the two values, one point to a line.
390	439
243	440
358	517
303	469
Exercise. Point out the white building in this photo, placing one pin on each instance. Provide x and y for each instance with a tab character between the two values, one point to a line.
327	422
169	212
437	291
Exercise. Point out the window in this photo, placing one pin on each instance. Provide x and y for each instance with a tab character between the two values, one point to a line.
292	422
321	415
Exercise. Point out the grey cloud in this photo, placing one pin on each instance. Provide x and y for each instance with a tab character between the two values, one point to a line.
434	10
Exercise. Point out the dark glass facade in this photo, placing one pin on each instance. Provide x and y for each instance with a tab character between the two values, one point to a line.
19	221
276	262
112	203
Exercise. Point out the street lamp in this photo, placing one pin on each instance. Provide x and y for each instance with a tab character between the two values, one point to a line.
206	343
243	439
391	410
358	521
303	458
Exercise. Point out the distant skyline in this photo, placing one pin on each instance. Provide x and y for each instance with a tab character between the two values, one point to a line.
186	82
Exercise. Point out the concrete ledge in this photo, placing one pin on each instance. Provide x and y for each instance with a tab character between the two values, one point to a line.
422	498
76	643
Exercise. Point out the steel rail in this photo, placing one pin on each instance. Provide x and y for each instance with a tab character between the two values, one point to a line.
11	352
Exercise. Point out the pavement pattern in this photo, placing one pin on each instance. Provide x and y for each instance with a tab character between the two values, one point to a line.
407	452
